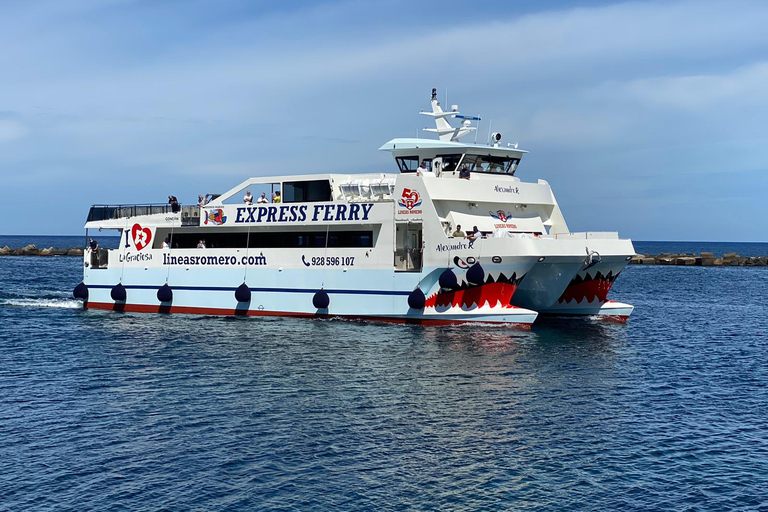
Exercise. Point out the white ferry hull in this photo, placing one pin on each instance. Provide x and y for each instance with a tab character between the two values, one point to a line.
544	284
563	285
353	293
587	293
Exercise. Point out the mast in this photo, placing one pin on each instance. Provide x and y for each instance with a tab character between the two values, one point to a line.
443	128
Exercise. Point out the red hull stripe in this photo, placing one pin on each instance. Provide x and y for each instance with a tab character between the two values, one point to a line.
189	310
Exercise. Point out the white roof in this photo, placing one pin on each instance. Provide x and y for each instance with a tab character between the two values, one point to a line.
410	144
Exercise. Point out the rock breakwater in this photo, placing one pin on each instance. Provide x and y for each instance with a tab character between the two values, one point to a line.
704	259
32	250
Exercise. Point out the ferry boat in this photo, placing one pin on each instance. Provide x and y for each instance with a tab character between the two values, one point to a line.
381	246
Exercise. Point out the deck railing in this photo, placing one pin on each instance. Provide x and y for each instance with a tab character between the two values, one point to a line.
190	215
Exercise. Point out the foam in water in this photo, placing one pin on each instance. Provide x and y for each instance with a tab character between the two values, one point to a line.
43	303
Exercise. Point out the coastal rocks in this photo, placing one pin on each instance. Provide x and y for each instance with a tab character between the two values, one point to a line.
29	250
705	259
32	250
639	259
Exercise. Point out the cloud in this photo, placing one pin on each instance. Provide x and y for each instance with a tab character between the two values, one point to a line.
11	130
216	92
740	87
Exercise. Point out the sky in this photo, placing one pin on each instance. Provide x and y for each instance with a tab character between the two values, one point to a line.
647	117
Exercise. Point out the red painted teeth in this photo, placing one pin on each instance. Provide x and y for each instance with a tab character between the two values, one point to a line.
588	288
492	292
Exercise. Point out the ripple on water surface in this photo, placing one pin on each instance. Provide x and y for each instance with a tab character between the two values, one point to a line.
102	410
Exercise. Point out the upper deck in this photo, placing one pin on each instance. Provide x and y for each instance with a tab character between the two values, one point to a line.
451	174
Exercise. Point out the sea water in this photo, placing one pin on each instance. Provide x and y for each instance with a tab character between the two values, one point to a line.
113	411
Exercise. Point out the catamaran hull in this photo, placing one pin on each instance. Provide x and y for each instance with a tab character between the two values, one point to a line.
352	294
567	282
587	293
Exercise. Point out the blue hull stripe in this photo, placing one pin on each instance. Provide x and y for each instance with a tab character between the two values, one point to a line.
278	290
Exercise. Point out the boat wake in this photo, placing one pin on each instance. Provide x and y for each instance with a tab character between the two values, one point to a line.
42	303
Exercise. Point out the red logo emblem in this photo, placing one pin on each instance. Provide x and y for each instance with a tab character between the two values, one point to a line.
500	215
141	236
410	199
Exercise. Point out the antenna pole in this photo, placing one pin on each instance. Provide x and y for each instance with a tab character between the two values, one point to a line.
477	129
490	123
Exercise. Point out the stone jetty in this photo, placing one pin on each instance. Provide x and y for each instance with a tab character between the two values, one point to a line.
705	259
31	250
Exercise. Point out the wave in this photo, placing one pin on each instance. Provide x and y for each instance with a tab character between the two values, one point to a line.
43	303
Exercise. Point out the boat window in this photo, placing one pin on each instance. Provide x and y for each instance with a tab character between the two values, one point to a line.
306	191
469	161
407	163
492	164
304	239
450	162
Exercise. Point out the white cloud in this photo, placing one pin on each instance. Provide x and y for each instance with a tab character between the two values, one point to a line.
134	90
743	86
11	130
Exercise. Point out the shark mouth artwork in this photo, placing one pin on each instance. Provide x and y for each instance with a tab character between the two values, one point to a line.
494	292
588	288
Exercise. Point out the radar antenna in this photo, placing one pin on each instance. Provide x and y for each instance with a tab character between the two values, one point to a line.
443	128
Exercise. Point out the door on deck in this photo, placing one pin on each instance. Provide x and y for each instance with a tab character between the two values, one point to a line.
408	247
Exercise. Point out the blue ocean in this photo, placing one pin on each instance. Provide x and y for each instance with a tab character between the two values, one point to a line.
118	411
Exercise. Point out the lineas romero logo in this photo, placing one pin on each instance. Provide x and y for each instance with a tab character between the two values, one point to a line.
410	200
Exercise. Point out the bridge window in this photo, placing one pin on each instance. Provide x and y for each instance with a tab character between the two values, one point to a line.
492	164
407	163
450	162
306	191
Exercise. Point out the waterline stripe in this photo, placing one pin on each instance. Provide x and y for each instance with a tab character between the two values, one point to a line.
232	289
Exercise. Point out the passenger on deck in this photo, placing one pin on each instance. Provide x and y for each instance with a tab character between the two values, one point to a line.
200	200
422	168
201	244
263	199
93	245
166	243
248	199
458	233
464	172
473	235
174	204
276	197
